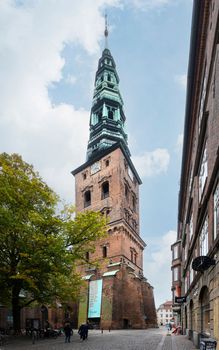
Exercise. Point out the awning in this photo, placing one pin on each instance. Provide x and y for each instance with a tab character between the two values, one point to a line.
110	273
87	277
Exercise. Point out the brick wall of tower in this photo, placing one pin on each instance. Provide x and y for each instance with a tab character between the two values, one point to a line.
122	215
126	296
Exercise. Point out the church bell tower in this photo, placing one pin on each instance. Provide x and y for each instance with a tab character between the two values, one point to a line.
117	295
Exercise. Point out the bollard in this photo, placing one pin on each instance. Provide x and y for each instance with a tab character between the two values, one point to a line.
102	330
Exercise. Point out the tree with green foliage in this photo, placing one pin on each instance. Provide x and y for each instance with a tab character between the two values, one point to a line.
39	247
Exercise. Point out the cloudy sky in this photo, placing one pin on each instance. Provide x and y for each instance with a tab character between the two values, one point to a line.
49	51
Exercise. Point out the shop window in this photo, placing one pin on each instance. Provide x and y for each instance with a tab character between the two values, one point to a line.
191	313
186	318
216	211
105	190
104	252
205	311
87	199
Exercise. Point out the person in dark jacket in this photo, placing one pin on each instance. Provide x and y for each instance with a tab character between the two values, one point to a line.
83	331
68	332
86	327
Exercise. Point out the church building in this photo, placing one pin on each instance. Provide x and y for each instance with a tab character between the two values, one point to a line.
117	295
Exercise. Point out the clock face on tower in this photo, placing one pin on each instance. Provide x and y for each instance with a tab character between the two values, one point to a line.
95	168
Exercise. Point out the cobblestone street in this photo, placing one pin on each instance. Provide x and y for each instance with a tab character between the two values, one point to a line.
152	339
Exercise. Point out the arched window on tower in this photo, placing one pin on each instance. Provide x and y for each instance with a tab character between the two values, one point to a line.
105	190
111	112
126	192
99	116
87	256
104	251
108	77
135	258
134	203
87	198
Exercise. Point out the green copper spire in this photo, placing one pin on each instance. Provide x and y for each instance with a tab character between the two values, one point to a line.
107	117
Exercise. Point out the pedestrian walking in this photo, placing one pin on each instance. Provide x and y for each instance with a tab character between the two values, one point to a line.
68	332
34	335
86	327
82	331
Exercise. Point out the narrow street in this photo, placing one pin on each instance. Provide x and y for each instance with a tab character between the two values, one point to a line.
151	339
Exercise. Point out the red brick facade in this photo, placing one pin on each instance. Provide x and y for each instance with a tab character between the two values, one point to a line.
127	297
198	215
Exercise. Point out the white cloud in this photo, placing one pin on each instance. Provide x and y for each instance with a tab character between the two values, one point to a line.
179	143
158	265
71	79
152	163
145	5
33	35
181	79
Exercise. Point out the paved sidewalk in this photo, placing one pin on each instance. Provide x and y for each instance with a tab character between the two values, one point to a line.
150	339
181	342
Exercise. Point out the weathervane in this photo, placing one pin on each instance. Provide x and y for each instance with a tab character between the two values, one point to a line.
106	32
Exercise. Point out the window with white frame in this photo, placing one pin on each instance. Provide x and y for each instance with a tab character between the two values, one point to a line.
191	274
203	95
187	284
185	253
204	238
175	274
203	173
216	211
191	227
175	252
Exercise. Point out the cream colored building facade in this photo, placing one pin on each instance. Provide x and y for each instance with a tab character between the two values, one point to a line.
165	313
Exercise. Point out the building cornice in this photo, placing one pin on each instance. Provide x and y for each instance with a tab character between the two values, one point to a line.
103	154
194	39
